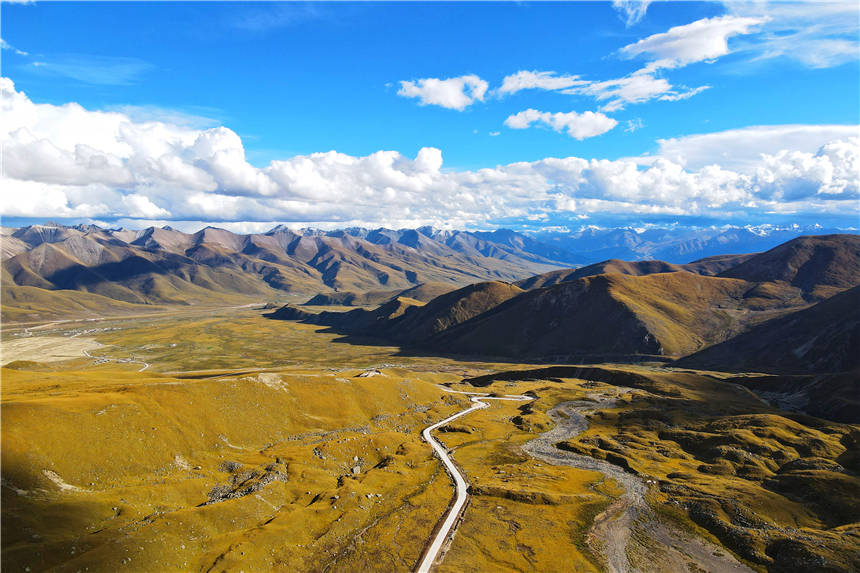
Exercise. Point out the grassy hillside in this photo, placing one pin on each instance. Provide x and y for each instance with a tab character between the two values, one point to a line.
780	490
33	304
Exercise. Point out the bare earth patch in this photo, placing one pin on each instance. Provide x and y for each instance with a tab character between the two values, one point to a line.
47	348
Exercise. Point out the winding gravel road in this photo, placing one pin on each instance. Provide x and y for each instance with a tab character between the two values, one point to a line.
461	487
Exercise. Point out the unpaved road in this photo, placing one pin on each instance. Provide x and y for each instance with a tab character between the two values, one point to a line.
446	530
628	517
103	359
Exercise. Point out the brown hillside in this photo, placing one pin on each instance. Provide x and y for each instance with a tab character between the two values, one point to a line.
451	309
423	293
666	313
634	268
821	338
577	317
819	265
710	266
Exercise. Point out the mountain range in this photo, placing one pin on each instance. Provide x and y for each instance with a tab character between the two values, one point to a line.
674	245
793	308
86	264
117	267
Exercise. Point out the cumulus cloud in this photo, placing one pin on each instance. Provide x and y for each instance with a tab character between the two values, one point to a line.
525	80
452	93
578	125
66	161
790	176
701	40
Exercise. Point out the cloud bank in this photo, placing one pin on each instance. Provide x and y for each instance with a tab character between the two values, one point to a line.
66	161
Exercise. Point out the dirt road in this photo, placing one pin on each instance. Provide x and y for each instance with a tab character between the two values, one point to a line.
448	527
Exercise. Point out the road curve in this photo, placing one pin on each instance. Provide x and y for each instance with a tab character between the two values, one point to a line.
117	360
460	485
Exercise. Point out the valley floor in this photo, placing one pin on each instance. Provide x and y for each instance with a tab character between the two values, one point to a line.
252	444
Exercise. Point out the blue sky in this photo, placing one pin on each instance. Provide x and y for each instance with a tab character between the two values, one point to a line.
293	80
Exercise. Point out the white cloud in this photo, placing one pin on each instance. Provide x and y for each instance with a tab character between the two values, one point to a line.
815	34
635	88
742	149
524	80
495	133
578	125
790	176
638	87
92	69
632	10
634	125
701	40
66	161
452	93
678	96
140	206
4	45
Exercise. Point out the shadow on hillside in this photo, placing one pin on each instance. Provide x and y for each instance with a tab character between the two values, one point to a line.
418	351
78	275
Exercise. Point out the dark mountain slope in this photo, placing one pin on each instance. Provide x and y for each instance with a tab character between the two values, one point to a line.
406	320
450	309
822	338
424	292
666	313
572	318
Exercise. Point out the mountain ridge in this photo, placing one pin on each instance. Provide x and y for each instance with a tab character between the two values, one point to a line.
622	308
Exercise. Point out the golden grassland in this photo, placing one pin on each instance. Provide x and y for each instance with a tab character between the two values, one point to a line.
778	489
524	514
249	444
